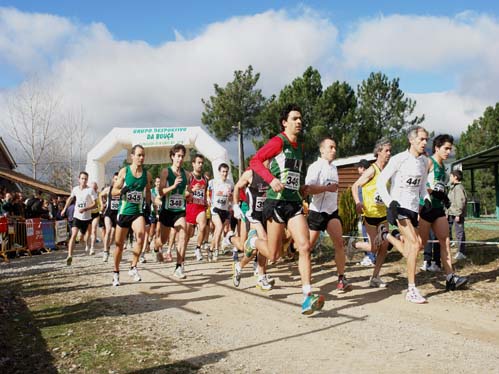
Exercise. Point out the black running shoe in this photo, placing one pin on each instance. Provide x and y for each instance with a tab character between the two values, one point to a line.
455	283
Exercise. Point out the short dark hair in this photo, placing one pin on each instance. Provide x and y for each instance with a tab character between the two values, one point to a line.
223	165
363	164
327	137
135	147
198	155
82	172
176	148
458	174
285	112
440	140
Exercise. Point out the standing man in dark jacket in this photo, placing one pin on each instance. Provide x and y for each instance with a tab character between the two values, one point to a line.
457	211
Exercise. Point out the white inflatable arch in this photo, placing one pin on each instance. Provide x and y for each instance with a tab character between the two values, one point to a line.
157	142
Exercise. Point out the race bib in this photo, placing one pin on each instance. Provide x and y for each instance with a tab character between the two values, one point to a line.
198	196
292	181
81	204
411	182
221	202
115	204
134	197
259	203
176	201
377	199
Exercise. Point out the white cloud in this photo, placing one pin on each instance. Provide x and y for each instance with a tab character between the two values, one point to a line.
120	83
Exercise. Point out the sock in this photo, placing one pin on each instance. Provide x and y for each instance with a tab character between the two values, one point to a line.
198	247
449	276
306	289
411	286
260	277
340	277
238	266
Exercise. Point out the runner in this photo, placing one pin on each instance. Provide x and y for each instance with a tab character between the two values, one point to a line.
322	182
407	172
110	216
154	220
283	206
85	202
256	193
173	187
221	193
372	209
196	208
132	180
95	220
433	216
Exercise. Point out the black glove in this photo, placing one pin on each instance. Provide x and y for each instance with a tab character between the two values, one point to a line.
446	202
393	207
438	191
147	210
427	204
124	191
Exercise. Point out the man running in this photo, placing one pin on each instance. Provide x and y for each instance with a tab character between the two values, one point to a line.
132	180
433	216
322	182
195	213
283	206
373	209
221	194
173	187
110	216
86	200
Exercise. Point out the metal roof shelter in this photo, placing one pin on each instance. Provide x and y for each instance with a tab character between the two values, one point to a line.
481	160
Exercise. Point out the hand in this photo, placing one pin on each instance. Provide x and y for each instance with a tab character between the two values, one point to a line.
63	212
276	185
238	213
393	207
304	190
82	210
332	187
359	208
124	191
427	204
147	210
178	180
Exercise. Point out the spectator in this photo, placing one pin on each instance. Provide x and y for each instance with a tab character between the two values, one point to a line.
34	206
8	204
58	214
70	212
457	211
19	207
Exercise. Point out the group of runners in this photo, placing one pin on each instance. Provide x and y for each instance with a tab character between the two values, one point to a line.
402	199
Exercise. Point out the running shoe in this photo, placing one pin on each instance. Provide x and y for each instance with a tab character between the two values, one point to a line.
215	255
311	304
86	249
92	252
105	256
460	256
210	255
426	265
255	268
159	256
142	258
69	260
179	272
414	296
366	261
116	279
168	256
236	274
455	282
134	273
376	282
434	267
235	256
270	280
380	236
248	249
343	286
263	285
197	253
350	248
226	241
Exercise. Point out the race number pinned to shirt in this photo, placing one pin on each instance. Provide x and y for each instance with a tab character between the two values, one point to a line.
198	196
377	199
134	197
176	201
259	203
115	204
292	180
411	182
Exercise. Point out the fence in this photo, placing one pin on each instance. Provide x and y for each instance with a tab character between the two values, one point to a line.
19	235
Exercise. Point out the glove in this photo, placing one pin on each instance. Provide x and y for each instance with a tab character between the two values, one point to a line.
124	191
147	210
446	202
238	213
438	191
393	207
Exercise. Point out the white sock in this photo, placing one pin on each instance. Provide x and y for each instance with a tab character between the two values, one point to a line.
411	285
238	266
306	289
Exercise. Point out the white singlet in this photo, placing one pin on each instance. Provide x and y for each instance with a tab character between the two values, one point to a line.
220	193
84	198
323	173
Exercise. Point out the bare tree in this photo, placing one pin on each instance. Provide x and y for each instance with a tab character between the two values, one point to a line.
32	119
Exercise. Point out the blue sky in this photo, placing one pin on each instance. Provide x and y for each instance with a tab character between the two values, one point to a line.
131	63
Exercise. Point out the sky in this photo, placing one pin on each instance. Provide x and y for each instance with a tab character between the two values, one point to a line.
149	63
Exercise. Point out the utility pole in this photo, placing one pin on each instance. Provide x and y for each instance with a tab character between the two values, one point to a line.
241	148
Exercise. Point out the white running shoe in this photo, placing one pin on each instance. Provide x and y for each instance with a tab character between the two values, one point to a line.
270	280
197	253
69	260
226	241
210	255
179	272
142	258
116	279
434	267
350	250
263	285
366	261
134	273
425	266
414	296
105	256
376	282
92	252
460	256
215	255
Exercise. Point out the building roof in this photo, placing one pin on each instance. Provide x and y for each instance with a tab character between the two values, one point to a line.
353	160
8	156
33	183
479	160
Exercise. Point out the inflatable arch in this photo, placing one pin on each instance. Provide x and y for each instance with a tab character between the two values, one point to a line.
157	142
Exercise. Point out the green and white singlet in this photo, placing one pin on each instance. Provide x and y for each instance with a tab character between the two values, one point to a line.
131	203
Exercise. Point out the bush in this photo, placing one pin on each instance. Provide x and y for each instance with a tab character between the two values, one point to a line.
347	212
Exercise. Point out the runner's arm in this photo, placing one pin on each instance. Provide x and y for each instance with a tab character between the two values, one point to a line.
241	183
148	189
366	176
269	150
116	191
68	202
383	179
